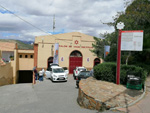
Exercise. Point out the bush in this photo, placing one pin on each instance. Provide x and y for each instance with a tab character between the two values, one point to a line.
107	72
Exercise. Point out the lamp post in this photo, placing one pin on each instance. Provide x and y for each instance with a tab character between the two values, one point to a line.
119	26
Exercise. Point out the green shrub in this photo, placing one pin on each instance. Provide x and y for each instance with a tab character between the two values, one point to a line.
107	72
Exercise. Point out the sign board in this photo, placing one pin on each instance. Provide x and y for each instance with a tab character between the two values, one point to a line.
88	59
120	25
132	40
62	59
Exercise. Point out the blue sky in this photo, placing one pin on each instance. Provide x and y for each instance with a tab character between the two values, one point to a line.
83	16
5	12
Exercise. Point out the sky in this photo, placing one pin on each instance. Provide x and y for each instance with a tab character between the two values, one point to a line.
30	18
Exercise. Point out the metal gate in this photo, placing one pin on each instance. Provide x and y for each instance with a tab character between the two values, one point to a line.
74	62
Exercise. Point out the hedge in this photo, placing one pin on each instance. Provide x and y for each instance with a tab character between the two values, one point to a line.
107	72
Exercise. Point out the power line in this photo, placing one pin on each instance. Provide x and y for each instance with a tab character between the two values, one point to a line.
29	22
23	20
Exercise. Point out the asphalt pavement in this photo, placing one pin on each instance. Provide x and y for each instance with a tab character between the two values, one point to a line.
43	97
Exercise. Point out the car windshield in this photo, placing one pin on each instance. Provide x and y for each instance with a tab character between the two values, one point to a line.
82	69
54	65
85	73
65	68
58	70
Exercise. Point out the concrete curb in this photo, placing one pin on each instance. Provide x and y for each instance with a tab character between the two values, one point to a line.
140	98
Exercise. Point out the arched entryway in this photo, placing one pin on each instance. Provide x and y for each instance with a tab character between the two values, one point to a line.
75	60
96	61
50	60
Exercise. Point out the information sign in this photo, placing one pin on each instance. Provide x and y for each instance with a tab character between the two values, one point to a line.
132	40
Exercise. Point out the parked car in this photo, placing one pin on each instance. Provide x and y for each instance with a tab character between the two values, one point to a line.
52	64
77	71
82	75
66	70
92	72
56	73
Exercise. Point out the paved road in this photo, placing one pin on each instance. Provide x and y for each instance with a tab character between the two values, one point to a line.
43	97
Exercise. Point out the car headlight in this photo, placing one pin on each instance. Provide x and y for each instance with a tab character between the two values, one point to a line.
54	76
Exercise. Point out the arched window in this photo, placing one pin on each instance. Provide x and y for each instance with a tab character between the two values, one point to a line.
96	61
75	54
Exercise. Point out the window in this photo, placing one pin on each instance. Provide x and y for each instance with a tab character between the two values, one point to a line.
31	56
20	56
26	56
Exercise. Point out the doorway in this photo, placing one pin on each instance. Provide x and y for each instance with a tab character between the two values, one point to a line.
75	60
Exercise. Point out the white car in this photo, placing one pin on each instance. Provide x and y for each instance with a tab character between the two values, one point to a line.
66	70
56	73
77	71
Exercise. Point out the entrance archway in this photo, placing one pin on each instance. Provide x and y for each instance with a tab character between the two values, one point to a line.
96	61
50	60
75	60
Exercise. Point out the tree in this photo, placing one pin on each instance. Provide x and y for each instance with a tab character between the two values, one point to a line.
98	47
135	17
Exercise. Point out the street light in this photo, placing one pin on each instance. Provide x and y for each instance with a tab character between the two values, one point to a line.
119	26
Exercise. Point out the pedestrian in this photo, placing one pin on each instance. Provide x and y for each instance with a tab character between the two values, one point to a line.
41	74
35	72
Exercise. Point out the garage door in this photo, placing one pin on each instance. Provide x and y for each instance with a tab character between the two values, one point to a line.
25	76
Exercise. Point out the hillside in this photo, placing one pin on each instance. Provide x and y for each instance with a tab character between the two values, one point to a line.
21	45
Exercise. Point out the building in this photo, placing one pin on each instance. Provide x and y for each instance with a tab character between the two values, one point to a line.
74	50
15	65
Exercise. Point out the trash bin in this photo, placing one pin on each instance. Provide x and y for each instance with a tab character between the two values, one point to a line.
134	82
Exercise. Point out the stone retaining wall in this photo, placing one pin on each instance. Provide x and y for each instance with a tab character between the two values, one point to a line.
102	95
89	102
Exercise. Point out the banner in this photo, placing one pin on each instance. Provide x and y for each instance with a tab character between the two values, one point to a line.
106	50
55	59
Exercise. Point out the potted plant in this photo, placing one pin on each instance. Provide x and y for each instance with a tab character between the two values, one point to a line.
11	57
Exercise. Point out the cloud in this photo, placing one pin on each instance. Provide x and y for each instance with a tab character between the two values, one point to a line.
70	15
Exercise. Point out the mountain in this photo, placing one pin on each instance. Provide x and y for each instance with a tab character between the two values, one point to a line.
21	44
27	42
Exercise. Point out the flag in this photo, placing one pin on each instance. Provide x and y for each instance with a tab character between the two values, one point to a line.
55	59
106	50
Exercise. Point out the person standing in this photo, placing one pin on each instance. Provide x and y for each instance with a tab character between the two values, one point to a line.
41	74
35	73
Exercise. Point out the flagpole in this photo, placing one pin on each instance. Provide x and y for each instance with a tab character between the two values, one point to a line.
53	23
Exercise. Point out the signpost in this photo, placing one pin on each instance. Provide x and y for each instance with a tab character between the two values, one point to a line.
127	41
120	26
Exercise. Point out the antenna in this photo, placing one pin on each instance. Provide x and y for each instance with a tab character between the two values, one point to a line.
53	23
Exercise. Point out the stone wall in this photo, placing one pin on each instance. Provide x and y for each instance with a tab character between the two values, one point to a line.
6	74
89	102
102	95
